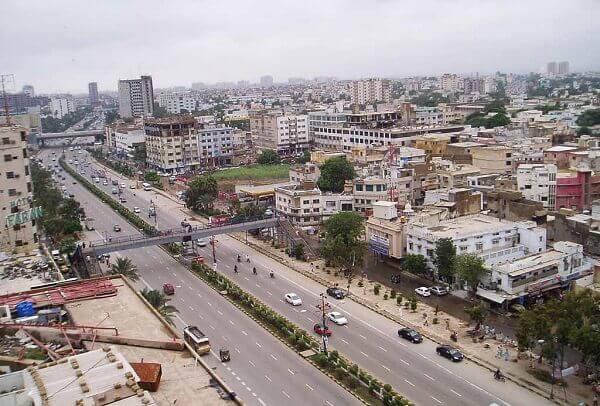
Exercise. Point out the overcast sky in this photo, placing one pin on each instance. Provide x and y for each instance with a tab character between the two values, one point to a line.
61	45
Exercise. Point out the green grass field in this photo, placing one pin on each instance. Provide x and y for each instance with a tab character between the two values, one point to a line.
253	172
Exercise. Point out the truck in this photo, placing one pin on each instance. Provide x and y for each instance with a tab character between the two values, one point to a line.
219	220
196	339
89	224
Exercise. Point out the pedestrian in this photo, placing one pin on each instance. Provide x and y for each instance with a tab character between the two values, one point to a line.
448	324
499	352
506	354
595	400
437	308
312	267
426	322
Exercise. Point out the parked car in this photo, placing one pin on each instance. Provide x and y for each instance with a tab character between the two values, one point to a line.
410	335
132	186
449	352
115	182
293	299
423	291
338	318
336	293
136	210
105	183
439	290
322	330
122	199
114	191
117	228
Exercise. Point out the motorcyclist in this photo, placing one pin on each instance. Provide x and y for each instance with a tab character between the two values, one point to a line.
235	269
239	258
254	270
498	375
247	258
271	274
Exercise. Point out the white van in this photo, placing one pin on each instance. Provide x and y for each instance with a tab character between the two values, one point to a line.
146	186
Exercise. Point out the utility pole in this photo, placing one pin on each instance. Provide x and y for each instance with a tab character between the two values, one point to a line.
324	337
214	252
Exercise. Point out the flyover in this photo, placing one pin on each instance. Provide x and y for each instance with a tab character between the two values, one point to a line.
127	242
42	138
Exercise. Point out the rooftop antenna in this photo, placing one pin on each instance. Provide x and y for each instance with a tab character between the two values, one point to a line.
5	79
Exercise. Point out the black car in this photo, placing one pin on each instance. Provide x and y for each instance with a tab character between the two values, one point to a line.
410	335
336	292
449	352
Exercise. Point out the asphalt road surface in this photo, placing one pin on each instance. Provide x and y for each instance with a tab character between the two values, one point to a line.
369	339
262	370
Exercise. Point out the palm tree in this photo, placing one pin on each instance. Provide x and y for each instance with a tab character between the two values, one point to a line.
160	301
125	267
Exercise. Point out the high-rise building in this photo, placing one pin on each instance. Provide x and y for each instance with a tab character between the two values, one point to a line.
93	94
449	82
563	68
370	91
266	81
284	133
61	106
18	231
28	90
136	97
551	68
175	103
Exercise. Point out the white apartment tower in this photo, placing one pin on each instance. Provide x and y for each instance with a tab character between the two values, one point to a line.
538	182
18	230
136	97
174	103
449	82
284	133
370	91
61	106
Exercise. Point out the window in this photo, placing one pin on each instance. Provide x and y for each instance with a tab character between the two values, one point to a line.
6	140
359	188
7	158
305	201
12	192
479	246
10	175
369	188
316	201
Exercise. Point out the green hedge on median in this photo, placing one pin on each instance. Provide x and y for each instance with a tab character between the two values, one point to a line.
116	206
354	378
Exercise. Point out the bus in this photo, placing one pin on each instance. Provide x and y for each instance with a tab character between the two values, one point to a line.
196	338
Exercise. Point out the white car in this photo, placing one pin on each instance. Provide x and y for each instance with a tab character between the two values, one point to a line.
131	186
97	180
202	242
293	299
338	318
105	183
423	291
123	185
136	210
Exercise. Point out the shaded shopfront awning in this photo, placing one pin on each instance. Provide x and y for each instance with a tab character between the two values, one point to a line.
491	295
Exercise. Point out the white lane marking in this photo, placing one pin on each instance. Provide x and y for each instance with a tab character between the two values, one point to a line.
263	403
225	338
237	350
146	283
437	400
268	379
345	342
245	277
309	387
191	308
252	363
259	346
244	333
409	382
232	323
429	377
288	396
456	393
212	327
405	363
269	293
274	357
364	354
220	312
382	349
384	367
199	295
329	403
180	319
309	319
209	303
291	372
363	337
257	285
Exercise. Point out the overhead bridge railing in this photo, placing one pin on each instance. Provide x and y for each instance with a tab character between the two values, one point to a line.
112	244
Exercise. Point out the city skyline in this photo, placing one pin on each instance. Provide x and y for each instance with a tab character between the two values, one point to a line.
240	41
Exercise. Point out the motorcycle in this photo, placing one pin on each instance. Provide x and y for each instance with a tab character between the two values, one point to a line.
271	274
499	377
254	271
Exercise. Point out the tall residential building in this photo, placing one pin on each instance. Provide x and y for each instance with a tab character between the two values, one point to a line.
370	91
172	144
284	133
266	81
28	90
537	182
551	68
93	94
18	231
174	103
61	106
563	68
449	82
136	97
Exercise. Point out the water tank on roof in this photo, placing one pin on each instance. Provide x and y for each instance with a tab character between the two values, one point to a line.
25	309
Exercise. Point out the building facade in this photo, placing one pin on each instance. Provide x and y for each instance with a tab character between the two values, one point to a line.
93	94
492	159
136	97
285	133
216	145
172	144
61	106
175	103
18	231
537	182
370	91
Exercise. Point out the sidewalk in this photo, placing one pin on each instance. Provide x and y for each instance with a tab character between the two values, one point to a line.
483	353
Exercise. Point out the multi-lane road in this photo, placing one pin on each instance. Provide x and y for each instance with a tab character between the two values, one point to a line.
369	339
262	370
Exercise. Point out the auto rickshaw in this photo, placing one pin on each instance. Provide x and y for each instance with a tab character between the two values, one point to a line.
224	355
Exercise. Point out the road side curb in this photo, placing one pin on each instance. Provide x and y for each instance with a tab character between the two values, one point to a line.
473	358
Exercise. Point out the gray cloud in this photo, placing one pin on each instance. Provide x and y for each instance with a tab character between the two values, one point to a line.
62	45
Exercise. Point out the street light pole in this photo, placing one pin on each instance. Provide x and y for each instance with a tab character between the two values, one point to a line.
324	325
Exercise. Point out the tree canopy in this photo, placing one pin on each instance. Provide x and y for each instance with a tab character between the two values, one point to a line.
470	268
589	118
305	157
202	193
160	302
124	266
268	157
415	263
334	173
444	256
